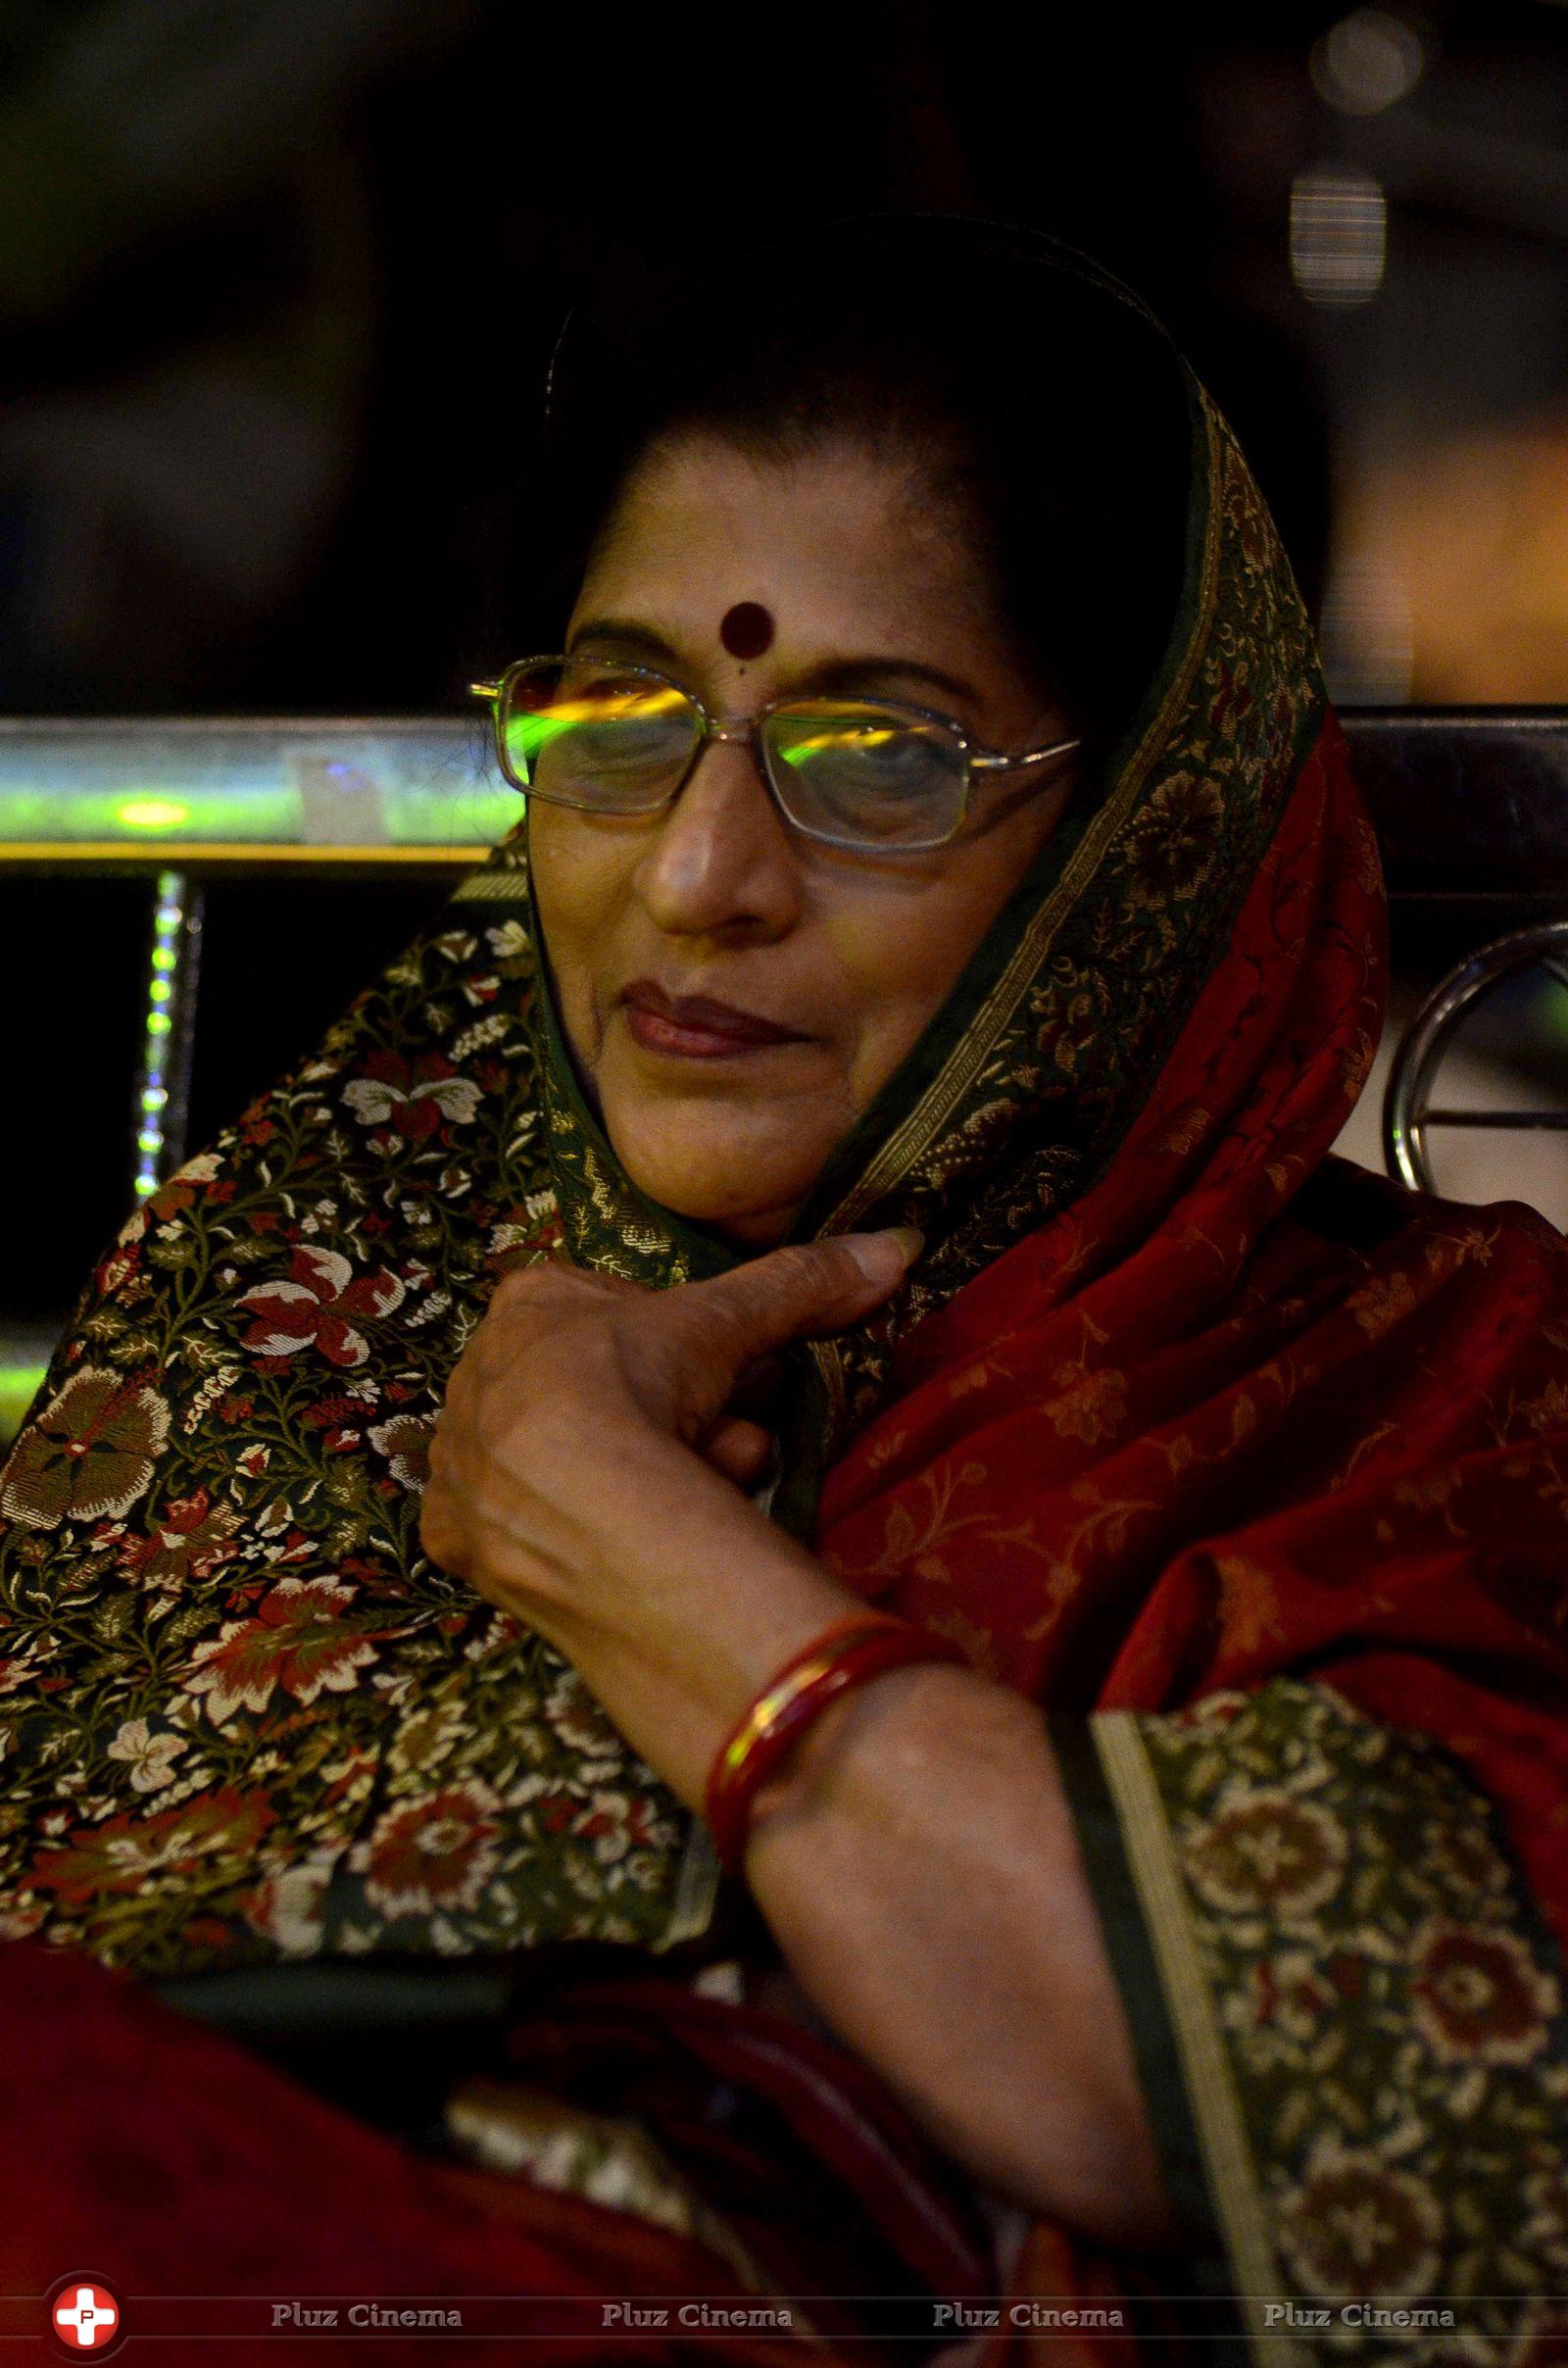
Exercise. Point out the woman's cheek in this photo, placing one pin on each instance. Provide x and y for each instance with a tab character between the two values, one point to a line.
898	980
575	892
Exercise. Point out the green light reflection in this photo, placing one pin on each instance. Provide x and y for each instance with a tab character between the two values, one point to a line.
19	1387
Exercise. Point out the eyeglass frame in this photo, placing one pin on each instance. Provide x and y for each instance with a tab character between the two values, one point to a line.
743	732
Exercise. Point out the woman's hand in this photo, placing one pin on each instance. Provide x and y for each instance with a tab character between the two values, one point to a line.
915	1860
587	1470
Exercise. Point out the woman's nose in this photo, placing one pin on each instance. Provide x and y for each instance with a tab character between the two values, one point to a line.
722	861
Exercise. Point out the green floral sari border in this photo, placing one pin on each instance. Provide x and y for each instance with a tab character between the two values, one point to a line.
967	1030
1152	2000
1325	1942
1195	2111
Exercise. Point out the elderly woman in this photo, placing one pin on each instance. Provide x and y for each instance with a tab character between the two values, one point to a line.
1014	1597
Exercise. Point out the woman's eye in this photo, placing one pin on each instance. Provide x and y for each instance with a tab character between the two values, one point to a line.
617	740
605	731
872	759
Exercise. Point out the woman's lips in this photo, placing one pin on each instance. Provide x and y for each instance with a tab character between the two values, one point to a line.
695	1026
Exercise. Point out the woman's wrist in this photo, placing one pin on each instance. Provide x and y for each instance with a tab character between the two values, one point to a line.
851	1771
677	1691
847	1654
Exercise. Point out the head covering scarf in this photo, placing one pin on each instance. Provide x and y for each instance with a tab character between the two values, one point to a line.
1242	1463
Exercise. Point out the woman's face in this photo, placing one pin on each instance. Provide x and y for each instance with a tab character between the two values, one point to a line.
650	922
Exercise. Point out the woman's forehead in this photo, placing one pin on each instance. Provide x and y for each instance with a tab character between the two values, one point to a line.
834	541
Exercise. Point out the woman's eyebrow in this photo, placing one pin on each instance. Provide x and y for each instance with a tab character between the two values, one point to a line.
622	635
833	674
844	673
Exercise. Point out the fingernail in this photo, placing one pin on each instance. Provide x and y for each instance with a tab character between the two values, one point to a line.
875	1254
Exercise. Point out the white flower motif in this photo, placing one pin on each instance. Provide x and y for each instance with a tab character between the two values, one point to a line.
289	1907
1265	1851
373	1101
150	1757
200	1170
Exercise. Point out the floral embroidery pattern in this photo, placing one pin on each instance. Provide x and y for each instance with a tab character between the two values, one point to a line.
244	1717
1393	2014
415	1095
313	1305
90	1454
433	1853
1173	845
298	1640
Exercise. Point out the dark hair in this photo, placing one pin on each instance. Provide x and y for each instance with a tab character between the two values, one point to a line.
1049	412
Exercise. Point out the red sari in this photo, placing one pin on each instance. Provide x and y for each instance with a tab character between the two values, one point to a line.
1251	1468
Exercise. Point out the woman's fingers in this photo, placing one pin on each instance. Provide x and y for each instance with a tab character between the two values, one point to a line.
739	1451
567	1355
788	1295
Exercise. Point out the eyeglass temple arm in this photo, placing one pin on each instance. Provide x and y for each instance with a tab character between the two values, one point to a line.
1033	756
485	690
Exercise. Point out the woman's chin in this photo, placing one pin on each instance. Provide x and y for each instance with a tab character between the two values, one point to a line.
717	1176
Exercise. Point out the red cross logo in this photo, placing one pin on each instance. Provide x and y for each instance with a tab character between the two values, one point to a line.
83	2315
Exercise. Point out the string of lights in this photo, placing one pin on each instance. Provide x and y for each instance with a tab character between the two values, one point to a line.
173	974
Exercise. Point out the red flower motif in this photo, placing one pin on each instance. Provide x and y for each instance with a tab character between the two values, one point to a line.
117	1267
126	1852
329	1410
436	1854
189	1542
1358	2226
1477	1994
314	1306
298	1640
415	1097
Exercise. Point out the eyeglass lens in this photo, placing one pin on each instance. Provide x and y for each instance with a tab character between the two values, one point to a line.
848	770
596	737
593	735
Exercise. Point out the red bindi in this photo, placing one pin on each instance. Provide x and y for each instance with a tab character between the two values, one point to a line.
747	629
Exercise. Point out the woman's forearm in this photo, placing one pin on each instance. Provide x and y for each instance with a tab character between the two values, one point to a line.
919	1870
917	1865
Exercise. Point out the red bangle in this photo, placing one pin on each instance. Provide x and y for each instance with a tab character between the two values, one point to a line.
846	1655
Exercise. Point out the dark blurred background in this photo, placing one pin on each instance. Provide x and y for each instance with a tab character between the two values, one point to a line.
279	280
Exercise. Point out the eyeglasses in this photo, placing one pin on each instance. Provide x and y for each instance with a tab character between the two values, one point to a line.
611	738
